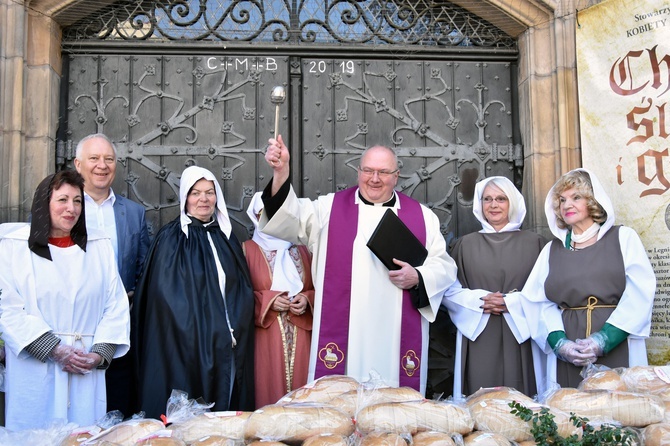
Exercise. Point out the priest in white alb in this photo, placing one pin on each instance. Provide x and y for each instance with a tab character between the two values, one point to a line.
367	318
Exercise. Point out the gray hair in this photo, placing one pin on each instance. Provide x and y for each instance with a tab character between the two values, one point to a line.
80	144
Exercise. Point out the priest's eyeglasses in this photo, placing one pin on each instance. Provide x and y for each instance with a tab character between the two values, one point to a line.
367	172
500	199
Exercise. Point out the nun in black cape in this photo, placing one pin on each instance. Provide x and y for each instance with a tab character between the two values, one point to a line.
193	312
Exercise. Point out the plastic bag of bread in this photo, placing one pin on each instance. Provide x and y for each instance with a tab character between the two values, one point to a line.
127	432
213	440
647	379
494	415
629	409
599	377
321	390
161	437
382	439
53	433
327	440
228	424
656	434
432	438
411	417
294	423
354	400
486	439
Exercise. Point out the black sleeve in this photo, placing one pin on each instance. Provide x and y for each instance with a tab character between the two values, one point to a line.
418	294
271	204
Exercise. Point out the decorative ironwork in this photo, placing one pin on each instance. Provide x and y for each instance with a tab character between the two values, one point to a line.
443	152
376	22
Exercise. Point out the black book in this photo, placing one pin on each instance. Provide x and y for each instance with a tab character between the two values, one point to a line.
393	240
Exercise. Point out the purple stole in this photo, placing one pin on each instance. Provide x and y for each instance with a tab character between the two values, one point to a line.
334	334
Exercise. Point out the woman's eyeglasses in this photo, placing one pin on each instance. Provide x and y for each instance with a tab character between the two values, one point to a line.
499	200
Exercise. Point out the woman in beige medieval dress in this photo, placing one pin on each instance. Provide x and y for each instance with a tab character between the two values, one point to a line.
493	346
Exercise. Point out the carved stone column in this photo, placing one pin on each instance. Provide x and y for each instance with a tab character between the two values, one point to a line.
29	85
12	31
549	110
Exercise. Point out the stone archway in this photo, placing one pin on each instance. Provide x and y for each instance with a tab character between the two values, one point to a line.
30	73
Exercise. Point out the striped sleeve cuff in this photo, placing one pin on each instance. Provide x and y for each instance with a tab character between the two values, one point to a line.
106	351
42	346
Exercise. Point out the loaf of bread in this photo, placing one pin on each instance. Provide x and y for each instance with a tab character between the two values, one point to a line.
80	435
267	443
295	423
382	439
656	434
647	379
127	433
486	439
321	390
228	424
414	416
160	440
431	438
327	440
213	440
494	415
629	409
354	400
499	393
604	380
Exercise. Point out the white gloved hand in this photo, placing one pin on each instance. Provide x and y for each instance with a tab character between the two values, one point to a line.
569	351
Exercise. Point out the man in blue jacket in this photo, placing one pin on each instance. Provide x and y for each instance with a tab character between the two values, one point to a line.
124	221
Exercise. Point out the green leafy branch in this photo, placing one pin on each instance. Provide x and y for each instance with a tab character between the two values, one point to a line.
545	431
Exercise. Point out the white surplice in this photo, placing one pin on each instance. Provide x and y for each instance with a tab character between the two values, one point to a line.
375	313
76	293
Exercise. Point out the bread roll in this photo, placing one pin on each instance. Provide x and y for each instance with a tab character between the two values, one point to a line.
213	440
295	423
486	439
225	424
321	390
656	434
494	415
629	409
604	380
354	400
647	379
127	432
414	416
327	440
383	439
432	439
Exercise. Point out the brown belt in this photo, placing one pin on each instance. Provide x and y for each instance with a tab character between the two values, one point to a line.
592	303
